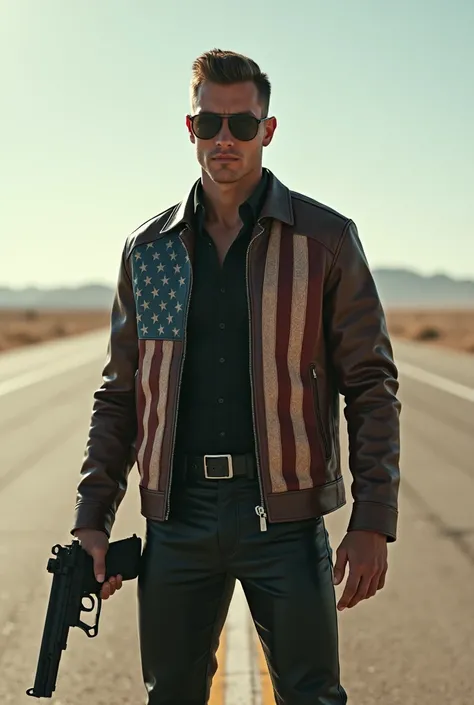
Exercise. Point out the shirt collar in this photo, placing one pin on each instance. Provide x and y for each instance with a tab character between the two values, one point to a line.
248	211
276	204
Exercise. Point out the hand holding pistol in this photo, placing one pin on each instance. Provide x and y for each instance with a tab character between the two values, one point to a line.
75	580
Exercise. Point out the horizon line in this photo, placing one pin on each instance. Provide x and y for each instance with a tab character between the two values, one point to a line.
112	284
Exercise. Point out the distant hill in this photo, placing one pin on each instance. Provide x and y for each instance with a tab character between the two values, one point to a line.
93	296
397	288
405	288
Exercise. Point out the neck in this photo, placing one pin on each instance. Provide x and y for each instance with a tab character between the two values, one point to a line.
223	200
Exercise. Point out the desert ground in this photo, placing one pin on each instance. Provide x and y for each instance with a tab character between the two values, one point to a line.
452	328
22	327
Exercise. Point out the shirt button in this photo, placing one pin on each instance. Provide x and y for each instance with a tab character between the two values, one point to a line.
222	326
222	434
222	290
220	400
222	359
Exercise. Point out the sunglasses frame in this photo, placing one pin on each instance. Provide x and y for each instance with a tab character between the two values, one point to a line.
223	117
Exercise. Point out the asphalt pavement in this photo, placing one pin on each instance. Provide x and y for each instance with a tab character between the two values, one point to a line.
411	644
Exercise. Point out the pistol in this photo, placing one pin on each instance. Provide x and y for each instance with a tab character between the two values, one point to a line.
75	590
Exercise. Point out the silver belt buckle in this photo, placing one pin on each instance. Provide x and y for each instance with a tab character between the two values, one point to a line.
230	468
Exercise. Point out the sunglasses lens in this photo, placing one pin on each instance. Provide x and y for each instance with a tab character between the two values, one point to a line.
243	127
206	126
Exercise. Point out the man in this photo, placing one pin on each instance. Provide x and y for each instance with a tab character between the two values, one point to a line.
240	315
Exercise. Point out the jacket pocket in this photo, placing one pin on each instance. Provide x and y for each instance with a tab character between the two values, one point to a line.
317	411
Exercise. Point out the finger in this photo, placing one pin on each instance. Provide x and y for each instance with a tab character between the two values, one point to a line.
105	591
362	590
99	565
340	566
373	587
114	583
383	575
350	589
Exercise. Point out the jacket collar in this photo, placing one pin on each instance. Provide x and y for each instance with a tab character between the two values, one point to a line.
277	204
249	210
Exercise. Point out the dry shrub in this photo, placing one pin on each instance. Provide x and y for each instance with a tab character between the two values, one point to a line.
31	314
58	331
428	333
22	337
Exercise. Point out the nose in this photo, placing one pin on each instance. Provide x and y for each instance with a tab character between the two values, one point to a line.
224	138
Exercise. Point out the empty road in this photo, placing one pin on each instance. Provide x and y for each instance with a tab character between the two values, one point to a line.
412	644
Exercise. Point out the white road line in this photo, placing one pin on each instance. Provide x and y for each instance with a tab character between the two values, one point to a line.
44	373
441	383
241	666
57	367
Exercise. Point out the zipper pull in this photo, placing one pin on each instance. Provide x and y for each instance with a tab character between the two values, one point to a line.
260	511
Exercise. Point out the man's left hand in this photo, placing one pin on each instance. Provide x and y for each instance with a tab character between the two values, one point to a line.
366	553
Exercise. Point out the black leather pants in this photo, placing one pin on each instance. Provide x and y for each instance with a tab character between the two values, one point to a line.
190	564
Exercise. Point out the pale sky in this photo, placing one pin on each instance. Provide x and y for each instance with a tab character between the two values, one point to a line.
374	99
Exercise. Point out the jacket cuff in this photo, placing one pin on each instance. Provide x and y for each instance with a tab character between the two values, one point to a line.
93	516
373	516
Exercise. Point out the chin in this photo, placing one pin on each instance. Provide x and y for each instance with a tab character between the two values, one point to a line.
221	175
225	178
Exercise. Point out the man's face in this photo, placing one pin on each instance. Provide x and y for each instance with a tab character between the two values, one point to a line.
225	157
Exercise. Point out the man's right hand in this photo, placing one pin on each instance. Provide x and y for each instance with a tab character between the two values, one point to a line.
96	544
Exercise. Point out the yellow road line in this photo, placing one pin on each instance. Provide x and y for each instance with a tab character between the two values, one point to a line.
217	696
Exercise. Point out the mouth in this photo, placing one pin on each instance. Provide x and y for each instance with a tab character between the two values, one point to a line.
225	158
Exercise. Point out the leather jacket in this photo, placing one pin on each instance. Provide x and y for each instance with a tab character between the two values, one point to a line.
317	330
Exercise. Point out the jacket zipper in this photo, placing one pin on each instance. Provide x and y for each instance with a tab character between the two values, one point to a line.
179	383
317	411
259	509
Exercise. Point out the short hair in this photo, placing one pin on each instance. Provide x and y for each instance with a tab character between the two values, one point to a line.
225	68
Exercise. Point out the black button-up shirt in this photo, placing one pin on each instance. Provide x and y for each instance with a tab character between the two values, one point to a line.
215	408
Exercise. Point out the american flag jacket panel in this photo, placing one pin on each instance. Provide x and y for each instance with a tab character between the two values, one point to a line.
317	329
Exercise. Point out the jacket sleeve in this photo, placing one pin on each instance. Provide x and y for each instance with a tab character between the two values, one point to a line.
361	353
109	454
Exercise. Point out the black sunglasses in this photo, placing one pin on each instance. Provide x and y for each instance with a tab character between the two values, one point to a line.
243	127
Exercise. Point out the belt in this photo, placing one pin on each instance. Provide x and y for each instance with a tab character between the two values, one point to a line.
221	467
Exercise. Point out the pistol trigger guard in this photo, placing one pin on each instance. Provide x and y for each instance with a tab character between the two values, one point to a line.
91	630
84	607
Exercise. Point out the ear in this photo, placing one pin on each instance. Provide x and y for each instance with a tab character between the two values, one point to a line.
270	127
190	129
